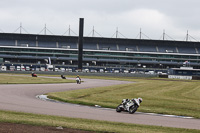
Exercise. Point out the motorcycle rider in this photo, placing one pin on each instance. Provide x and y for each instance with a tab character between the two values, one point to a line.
62	76
124	102
78	78
129	105
135	100
33	74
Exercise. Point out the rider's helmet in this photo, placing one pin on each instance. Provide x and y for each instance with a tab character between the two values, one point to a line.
77	75
140	99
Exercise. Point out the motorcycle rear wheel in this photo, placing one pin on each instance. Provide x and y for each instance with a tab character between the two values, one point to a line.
118	109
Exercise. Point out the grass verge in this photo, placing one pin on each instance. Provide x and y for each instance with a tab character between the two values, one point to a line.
99	126
23	79
175	97
84	124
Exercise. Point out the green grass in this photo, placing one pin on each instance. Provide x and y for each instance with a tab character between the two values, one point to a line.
20	79
158	97
176	97
85	124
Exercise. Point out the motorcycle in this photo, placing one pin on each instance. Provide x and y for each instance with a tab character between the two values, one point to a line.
63	77
130	106
34	75
78	80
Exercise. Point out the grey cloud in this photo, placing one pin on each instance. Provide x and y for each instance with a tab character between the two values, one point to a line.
175	16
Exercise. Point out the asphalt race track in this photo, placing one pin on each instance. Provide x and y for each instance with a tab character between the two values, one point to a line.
22	98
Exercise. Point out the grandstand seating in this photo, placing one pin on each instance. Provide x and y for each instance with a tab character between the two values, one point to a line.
167	62
26	43
115	51
90	46
105	46
167	49
146	48
187	50
128	47
128	61
107	60
47	44
7	42
148	62
67	45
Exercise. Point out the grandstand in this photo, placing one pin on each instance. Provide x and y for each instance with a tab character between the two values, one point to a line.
98	52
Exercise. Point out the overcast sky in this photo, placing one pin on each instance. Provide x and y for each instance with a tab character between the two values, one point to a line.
128	16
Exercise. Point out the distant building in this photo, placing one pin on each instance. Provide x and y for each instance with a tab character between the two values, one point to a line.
33	49
187	71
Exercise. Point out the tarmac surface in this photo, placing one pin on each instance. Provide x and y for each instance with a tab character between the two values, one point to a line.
22	98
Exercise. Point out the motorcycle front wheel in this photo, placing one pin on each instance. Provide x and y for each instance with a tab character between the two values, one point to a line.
119	108
132	109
